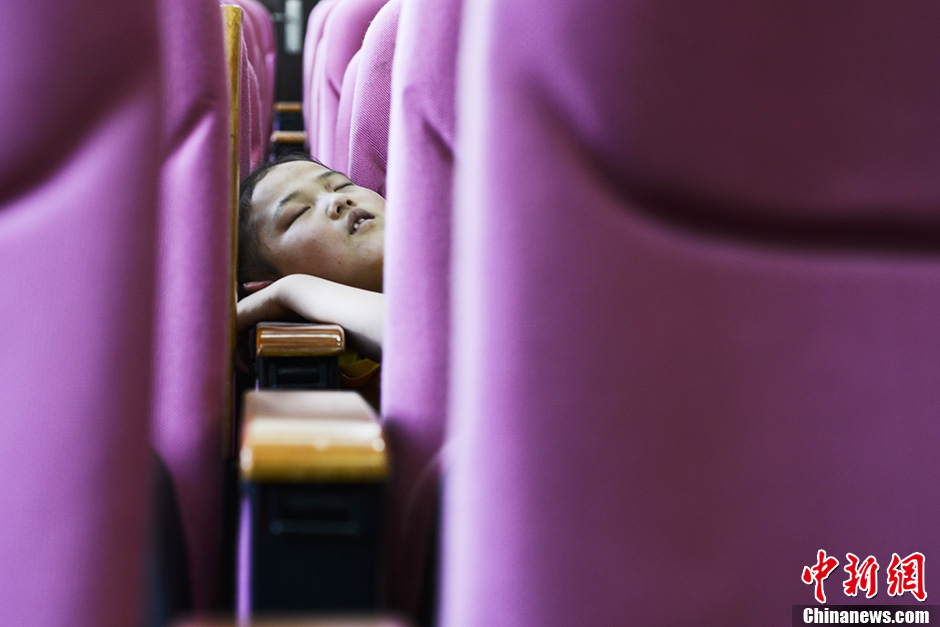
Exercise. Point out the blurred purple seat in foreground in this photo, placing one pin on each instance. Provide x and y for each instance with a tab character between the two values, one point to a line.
696	305
78	216
194	255
417	277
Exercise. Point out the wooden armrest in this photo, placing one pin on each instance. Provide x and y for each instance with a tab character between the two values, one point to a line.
292	436
289	137
288	339
298	355
312	463
288	107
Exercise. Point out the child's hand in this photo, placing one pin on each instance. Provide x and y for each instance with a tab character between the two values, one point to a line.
264	302
253	286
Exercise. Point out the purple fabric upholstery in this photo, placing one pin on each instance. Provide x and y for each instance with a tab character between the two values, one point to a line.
252	35
266	65
253	128
417	279
344	114
343	31
78	187
369	118
696	304
253	98
194	260
243	562
312	38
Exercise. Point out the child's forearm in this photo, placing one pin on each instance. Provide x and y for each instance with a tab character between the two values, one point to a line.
358	311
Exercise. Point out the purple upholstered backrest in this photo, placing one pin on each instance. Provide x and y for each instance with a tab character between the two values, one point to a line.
343	31
251	31
194	261
417	279
367	154
252	90
255	102
344	114
314	34
79	162
696	298
267	45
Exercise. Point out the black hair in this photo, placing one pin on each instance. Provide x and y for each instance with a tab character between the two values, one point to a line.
252	264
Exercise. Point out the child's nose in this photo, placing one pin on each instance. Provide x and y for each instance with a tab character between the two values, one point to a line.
338	204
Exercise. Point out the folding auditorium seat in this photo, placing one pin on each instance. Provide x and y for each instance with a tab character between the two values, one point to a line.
696	300
343	31
192	333
256	57
267	44
78	212
312	37
367	152
344	114
257	103
417	281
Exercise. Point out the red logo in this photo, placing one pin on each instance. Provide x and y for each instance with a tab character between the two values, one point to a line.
903	575
907	575
818	573
863	577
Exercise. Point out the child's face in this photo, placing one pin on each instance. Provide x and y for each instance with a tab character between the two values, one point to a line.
312	220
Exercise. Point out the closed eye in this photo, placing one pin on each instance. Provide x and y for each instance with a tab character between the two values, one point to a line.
297	215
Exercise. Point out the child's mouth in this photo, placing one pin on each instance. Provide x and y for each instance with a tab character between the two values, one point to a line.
356	218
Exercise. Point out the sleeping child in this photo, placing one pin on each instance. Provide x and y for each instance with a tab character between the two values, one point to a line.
311	243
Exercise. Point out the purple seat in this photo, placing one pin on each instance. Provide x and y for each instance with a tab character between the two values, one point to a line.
191	385
259	139
78	215
344	114
267	45
696	300
417	279
256	104
312	38
367	154
343	31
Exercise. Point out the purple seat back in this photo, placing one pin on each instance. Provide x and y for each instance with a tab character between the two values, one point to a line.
267	45
344	114
367	153
254	101
343	31
252	90
191	385
695	308
78	213
312	37
417	279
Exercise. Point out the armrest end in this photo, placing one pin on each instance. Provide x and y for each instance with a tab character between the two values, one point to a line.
286	339
295	436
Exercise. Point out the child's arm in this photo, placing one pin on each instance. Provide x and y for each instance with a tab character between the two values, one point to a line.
358	311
